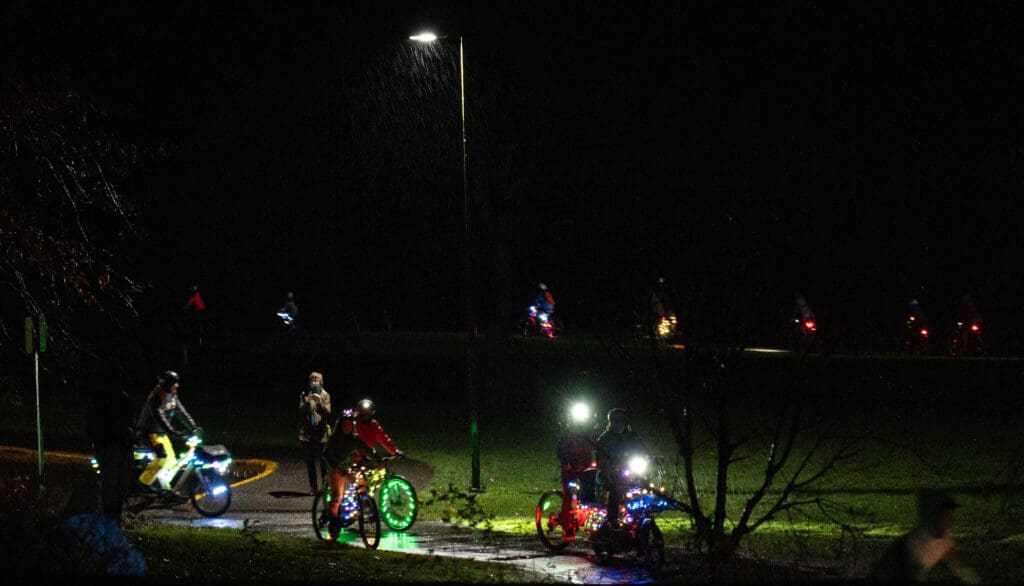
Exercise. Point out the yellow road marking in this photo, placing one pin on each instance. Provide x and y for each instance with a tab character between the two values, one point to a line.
268	466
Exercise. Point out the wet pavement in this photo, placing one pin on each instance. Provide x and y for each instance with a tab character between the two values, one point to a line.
267	500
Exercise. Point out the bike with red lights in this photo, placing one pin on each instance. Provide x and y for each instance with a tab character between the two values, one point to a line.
637	532
804	333
540	323
916	337
965	339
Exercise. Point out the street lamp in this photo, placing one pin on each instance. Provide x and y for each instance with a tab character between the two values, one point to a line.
474	439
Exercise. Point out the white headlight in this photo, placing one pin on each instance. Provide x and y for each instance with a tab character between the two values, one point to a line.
638	465
580	412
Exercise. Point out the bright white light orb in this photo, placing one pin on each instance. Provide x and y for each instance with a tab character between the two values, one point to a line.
580	412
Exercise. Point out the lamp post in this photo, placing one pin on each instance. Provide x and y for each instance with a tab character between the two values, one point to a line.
474	439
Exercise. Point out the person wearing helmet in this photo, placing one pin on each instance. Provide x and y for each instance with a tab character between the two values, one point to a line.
543	300
575	452
615	446
164	415
289	311
353	442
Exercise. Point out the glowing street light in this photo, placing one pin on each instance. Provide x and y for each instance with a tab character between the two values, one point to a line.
428	37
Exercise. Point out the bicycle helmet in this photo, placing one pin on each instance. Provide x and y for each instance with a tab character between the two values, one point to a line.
365	410
542	286
167	379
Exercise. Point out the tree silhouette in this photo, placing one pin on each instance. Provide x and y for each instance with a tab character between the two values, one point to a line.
65	225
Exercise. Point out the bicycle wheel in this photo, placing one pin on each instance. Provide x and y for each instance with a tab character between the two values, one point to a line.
210	493
369	521
549	520
321	513
398	504
651	546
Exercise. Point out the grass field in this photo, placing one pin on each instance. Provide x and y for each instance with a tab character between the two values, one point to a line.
949	424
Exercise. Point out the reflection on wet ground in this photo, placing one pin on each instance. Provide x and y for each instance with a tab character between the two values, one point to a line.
434	538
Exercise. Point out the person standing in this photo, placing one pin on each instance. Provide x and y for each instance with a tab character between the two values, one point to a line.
314	414
110	426
912	557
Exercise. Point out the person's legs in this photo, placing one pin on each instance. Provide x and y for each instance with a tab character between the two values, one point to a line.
106	457
568	523
125	473
337	480
164	452
310	453
614	502
323	461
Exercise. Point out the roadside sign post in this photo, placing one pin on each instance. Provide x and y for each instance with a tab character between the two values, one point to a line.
36	342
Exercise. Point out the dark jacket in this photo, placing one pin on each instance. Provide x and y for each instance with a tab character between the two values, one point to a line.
614	450
314	416
164	413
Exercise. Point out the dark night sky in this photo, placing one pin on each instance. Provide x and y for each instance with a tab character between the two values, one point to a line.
860	155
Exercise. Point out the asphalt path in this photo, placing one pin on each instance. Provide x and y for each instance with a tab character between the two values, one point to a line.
271	496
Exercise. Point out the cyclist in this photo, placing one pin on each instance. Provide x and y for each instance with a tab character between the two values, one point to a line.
352	443
801	311
164	415
289	311
658	305
914	319
615	446
575	452
543	300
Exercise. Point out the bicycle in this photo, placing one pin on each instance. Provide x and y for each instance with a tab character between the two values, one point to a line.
197	476
357	506
588	515
398	504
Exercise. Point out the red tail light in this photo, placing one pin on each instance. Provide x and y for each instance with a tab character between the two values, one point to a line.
975	327
809	325
924	333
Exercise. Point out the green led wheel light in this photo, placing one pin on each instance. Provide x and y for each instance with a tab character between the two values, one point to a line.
398	503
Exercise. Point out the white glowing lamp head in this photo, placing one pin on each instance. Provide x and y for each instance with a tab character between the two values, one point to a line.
580	412
424	37
638	465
